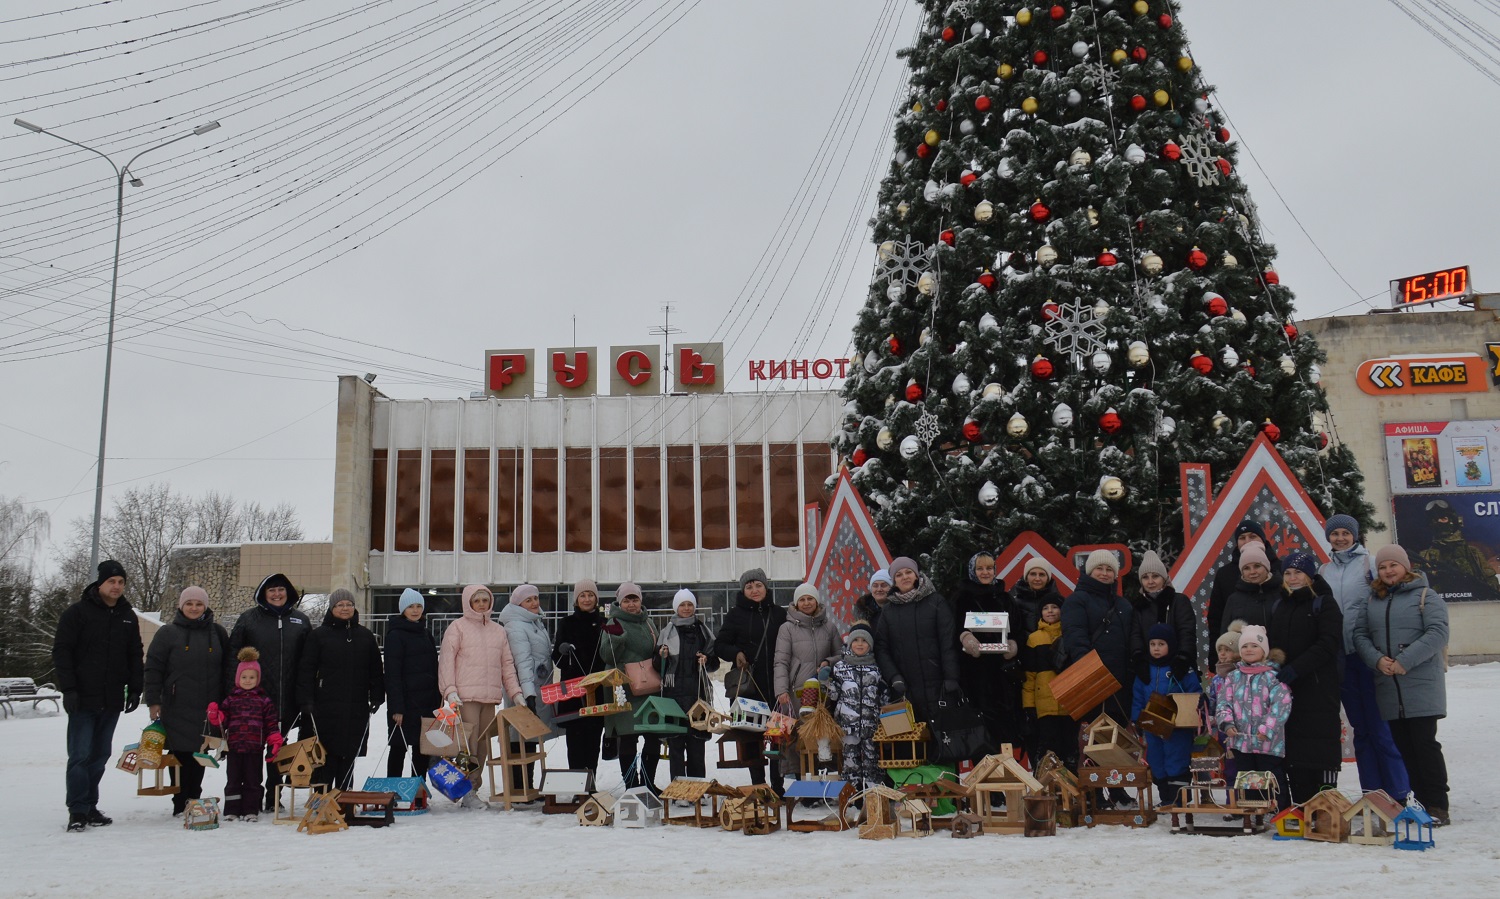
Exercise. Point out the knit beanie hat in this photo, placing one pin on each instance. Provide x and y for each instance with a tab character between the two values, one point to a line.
1249	527
1254	633
858	632
627	589
1163	632
754	574
1346	522
1303	561
110	568
1392	553
881	576
188	593
1151	564
1101	557
901	563
1035	563
805	590
1253	552
1229	640
248	662
409	598
523	593
583	585
685	596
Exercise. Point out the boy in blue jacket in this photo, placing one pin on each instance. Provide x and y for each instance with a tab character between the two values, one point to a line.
1168	757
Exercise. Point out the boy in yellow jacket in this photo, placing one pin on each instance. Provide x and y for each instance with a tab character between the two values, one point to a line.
1051	728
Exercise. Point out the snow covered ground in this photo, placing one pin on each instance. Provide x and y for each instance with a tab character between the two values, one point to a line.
453	852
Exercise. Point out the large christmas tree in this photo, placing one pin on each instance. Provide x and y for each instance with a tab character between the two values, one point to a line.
1072	293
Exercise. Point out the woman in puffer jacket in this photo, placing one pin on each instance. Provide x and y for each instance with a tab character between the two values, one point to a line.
630	637
477	672
806	646
1403	635
531	647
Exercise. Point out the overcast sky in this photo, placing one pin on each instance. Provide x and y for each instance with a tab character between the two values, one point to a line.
398	186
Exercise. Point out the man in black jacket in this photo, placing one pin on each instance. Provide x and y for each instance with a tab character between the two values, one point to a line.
278	630
97	655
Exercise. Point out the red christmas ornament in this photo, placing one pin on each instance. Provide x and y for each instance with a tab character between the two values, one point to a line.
982	103
895	344
1223	135
946	237
1106	259
913	392
1110	422
967	178
949	35
1290	330
1138	103
1057	12
859	456
1250	369
1217	305
1171	152
1272	432
1039	211
1270	276
942	105
1322	440
1201	363
972	433
1050	311
1164	20
987	280
1016	260
1139	54
1040	57
1224	166
1197	259
1041	368
923	151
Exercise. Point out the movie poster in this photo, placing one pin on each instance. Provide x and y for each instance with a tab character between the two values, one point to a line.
1454	539
1419	455
1471	463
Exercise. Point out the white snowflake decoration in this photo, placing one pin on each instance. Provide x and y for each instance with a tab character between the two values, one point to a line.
1103	76
961	8
1075	332
1199	158
926	428
907	261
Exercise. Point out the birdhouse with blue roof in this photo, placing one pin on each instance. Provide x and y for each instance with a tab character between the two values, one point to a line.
1414	829
750	714
830	797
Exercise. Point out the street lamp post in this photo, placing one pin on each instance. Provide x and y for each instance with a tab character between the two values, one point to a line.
114	283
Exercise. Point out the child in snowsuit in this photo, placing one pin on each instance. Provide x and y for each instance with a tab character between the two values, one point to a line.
1169	757
1053	730
248	716
1253	708
1228	649
857	693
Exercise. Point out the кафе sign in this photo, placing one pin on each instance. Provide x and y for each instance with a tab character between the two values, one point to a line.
636	370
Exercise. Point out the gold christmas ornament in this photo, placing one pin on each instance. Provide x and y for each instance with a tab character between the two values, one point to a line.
1230	261
886	249
1030	106
1023	16
991	390
932	138
1118	57
1220	421
917	106
1141	7
1006	71
1112	488
1151	264
1017	426
1093	217
885	439
927	284
902	209
1101	309
1184	63
1161	97
1046	254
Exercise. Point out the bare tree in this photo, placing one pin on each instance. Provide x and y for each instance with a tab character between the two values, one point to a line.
22	533
217	518
274	524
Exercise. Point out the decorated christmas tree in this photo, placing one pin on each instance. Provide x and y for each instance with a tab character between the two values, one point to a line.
1072	294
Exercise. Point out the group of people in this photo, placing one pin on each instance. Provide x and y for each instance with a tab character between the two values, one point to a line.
1297	642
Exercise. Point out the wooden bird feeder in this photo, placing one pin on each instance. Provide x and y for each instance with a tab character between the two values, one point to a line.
1111	745
749	714
564	790
966	825
944	787
1094	780
753	812
1083	685
323	814
660	715
706	796
411	793
201	814
1376	813
1290	824
1325	817
368	808
604	693
516	732
299	760
1055	777
834	797
1414	817
996	776
880	821
639	807
160	784
1041	815
703	716
820	743
913	818
903	750
597	810
739	749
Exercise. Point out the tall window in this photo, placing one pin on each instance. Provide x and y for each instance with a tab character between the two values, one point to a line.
713	463
510	499
612	497
476	500
377	501
580	506
681	504
817	465
444	477
785	511
750	503
648	498
408	500
544	500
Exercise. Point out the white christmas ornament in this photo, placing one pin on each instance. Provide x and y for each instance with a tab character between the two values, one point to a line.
927	284
961	385
1230	261
894	292
984	211
902	209
1081	49
872	362
966	126
1237	316
1062	416
1111	488
885	250
1134	154
910	447
991	390
1151	263
1314	373
1100	361
1046	254
1017	426
1287	365
1220	421
987	324
1137	353
925	336
1074	98
901	157
1005	168
1101	309
1166	427
930	190
1229	357
977	29
885	439
1080	157
989	494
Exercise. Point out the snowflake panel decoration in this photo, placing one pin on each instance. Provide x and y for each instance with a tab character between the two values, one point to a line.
961	8
1199	158
1075	332
1105	78
906	262
926	428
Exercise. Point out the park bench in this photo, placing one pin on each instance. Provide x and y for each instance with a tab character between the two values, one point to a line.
14	690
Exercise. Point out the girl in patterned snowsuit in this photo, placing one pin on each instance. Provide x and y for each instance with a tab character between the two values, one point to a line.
1253	708
857	693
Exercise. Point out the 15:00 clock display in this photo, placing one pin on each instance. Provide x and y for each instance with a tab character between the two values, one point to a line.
1445	284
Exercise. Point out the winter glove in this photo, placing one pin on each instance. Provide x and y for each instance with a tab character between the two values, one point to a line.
1180	667
1287	675
566	649
898	688
70	702
274	744
824	674
614	628
453	698
1142	665
970	643
950	688
1012	649
215	715
132	700
531	703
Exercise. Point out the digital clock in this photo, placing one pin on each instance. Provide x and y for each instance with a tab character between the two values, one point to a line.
1447	284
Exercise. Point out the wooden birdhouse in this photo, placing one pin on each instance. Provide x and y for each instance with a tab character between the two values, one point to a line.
880	821
411	793
753	812
368	808
1055	777
1041	815
200	814
323	814
1325	817
639	807
703	716
1000	776
1414	829
966	825
1083	685
1372	819
516	732
565	789
660	715
903	750
1110	744
739	749
749	714
820	743
597	811
1095	779
299	760
913	818
937	786
898	718
1290	824
829	797
706	798
604	693
158	783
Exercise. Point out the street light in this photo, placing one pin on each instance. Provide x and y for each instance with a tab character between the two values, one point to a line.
114	283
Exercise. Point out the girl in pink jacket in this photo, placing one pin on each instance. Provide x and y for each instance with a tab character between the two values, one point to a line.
476	672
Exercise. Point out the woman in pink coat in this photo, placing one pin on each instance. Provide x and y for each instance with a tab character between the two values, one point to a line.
476	671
